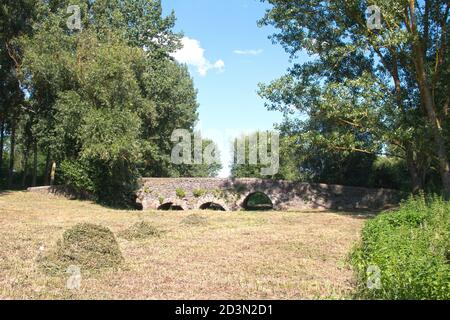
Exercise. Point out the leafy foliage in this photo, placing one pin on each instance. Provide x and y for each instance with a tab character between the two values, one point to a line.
411	247
366	91
199	193
101	102
181	193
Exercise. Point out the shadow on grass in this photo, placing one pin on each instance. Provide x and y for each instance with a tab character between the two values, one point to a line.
363	213
7	191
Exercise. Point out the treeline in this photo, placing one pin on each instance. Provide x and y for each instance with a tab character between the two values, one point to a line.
373	96
100	101
301	161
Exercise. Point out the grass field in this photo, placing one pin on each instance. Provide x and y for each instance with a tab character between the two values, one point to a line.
241	255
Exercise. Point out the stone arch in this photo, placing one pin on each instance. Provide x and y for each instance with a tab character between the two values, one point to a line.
208	200
173	204
212	206
244	201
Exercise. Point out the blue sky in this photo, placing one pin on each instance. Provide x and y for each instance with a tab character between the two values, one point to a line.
237	56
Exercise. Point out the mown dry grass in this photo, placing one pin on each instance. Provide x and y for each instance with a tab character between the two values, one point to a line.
265	255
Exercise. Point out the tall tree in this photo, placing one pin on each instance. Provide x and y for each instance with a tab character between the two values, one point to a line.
15	20
103	100
385	88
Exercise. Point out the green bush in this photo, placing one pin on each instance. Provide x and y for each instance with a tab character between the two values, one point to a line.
180	193
411	248
198	193
391	173
77	175
111	183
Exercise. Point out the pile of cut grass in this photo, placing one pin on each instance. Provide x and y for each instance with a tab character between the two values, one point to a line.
195	220
88	246
139	231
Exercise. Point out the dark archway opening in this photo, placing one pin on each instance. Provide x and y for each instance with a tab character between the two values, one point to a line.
258	201
212	206
170	207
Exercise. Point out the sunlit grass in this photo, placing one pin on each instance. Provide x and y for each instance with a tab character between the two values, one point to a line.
240	255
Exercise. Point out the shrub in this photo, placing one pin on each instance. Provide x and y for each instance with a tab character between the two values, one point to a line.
77	175
411	248
199	193
391	173
180	193
217	193
88	246
241	189
147	190
111	183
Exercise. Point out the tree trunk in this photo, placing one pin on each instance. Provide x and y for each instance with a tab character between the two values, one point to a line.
2	142
47	169
428	102
52	174
25	165
35	163
441	150
416	181
12	151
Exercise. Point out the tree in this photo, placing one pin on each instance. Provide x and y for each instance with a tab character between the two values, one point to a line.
102	101
252	155
210	165
15	17
385	90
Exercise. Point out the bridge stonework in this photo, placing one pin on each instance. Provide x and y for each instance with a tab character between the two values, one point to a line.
231	194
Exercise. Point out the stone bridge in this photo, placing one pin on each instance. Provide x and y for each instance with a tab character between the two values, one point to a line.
234	194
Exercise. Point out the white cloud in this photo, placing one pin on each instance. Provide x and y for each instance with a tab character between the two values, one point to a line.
253	52
193	54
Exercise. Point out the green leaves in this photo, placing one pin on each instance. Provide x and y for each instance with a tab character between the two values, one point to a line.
105	99
410	247
110	135
359	90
